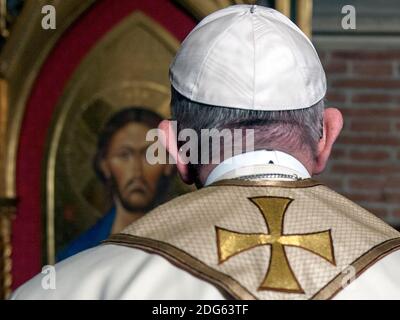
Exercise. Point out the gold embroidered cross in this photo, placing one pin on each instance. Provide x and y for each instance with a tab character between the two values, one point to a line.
279	276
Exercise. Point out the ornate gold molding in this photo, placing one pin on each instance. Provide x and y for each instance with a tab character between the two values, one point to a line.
283	6
3	131
200	9
7	205
21	59
7	210
4	32
304	16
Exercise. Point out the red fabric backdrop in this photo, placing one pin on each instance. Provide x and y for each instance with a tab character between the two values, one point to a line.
59	66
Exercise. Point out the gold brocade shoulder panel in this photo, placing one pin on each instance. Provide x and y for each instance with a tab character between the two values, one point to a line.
265	239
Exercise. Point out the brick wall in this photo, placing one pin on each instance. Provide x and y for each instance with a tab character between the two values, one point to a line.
365	163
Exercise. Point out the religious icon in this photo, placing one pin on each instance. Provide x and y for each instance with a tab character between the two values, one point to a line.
121	185
128	68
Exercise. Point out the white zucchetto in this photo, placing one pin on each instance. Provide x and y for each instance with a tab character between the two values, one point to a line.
249	57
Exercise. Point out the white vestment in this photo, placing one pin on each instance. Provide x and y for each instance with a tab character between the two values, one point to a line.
118	272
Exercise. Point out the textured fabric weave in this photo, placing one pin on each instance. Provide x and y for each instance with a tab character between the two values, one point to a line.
189	222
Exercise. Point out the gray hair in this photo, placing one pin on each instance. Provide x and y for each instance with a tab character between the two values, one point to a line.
285	130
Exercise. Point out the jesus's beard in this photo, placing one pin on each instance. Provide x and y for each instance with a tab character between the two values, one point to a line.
159	197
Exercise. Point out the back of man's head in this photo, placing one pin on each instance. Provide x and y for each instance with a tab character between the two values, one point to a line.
250	67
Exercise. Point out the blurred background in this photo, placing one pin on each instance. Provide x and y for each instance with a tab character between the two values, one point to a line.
68	67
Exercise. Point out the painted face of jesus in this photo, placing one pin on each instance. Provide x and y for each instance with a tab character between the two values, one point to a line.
135	182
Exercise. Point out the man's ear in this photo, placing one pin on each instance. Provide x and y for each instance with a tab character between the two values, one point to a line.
333	124
169	142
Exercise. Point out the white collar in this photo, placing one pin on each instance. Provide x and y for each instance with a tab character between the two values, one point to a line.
257	162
